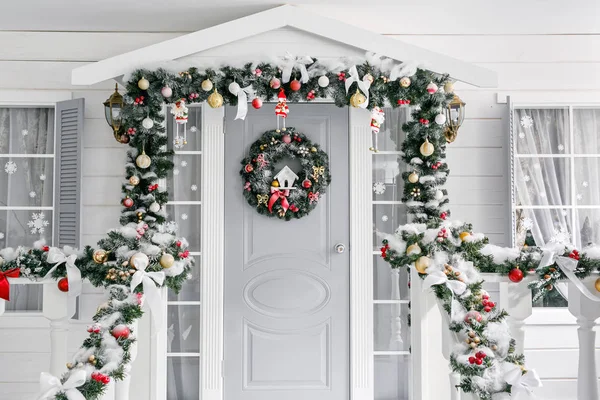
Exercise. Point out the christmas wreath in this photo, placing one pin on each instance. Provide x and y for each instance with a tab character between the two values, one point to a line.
285	194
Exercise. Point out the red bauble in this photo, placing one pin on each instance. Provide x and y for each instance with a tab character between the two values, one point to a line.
515	275
257	103
121	331
473	316
295	85
306	183
63	285
478	361
248	168
128	202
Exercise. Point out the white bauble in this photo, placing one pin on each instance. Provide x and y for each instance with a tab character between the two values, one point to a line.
323	81
440	119
148	123
154	207
207	85
439	194
432	88
139	261
166	92
143	84
234	88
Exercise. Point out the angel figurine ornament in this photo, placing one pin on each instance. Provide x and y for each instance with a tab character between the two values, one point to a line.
180	112
281	109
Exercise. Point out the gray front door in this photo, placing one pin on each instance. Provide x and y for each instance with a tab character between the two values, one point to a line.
286	289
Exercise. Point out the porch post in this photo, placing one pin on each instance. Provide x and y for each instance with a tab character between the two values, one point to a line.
361	258
212	252
58	307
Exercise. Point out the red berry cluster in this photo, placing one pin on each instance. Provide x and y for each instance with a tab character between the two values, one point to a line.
98	377
293	208
131	131
478	359
178	243
442	234
193	96
402	102
444	215
436	165
342	76
139	101
94	329
384	250
257	72
297	138
152	188
487	305
46	248
310	95
424	121
574	255
184	254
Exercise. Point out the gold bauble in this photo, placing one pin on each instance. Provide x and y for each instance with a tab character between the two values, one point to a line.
422	263
143	160
413	249
357	99
313	149
215	100
167	260
413	177
464	235
275	183
139	261
449	87
134	180
427	148
100	256
143	84
206	85
597	284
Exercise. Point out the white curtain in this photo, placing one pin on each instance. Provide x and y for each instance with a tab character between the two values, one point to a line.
25	181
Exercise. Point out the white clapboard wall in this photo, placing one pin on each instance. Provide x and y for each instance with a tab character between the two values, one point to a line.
540	55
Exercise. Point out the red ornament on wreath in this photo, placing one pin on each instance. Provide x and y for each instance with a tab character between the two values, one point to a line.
128	202
515	275
248	168
306	183
257	103
63	285
121	331
295	85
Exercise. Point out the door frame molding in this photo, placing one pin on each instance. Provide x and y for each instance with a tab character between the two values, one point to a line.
213	257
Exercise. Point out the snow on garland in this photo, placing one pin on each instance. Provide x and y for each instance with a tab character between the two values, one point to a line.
277	194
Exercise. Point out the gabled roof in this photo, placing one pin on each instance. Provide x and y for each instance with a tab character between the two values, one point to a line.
275	18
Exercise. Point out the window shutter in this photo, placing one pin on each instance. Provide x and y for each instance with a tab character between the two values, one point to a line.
67	201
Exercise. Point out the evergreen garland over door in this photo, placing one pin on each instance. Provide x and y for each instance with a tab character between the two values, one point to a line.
286	288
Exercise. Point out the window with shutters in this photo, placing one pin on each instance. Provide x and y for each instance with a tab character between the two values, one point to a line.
27	154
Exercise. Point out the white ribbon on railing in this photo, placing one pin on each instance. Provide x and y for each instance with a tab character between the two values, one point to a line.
440	278
567	266
57	257
522	383
362	85
51	386
291	62
149	280
242	109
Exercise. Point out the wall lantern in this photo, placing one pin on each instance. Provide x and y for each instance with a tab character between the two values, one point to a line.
455	115
112	112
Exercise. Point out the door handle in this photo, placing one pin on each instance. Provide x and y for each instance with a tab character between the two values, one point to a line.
339	248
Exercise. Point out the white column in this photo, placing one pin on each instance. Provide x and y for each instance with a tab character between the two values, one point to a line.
58	307
361	258
158	352
396	311
516	299
122	388
2	306
449	342
586	311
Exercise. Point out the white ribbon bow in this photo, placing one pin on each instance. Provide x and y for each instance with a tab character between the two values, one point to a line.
242	109
522	383
362	85
439	278
51	386
151	292
568	266
57	257
291	62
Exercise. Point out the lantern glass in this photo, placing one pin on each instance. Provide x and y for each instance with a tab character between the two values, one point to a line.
112	110
455	115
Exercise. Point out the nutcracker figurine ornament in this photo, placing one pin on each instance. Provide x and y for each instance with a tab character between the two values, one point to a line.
281	109
377	118
180	112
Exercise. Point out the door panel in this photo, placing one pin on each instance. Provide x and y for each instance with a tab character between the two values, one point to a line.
286	290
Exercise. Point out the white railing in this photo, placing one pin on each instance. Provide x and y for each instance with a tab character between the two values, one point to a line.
58	308
428	321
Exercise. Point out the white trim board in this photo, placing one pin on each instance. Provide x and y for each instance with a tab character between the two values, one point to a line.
279	17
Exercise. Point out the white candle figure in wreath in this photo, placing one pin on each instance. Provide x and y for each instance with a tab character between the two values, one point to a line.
377	118
180	112
281	109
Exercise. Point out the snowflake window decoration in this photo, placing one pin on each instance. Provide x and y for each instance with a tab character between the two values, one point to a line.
38	223
379	188
384	218
522	135
194	188
527	223
178	144
585	184
42	177
526	178
579	196
561	147
184	163
1	235
24	132
10	167
184	216
526	121
561	235
32	194
194	129
175	171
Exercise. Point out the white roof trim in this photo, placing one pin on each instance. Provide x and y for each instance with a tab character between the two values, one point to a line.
275	18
